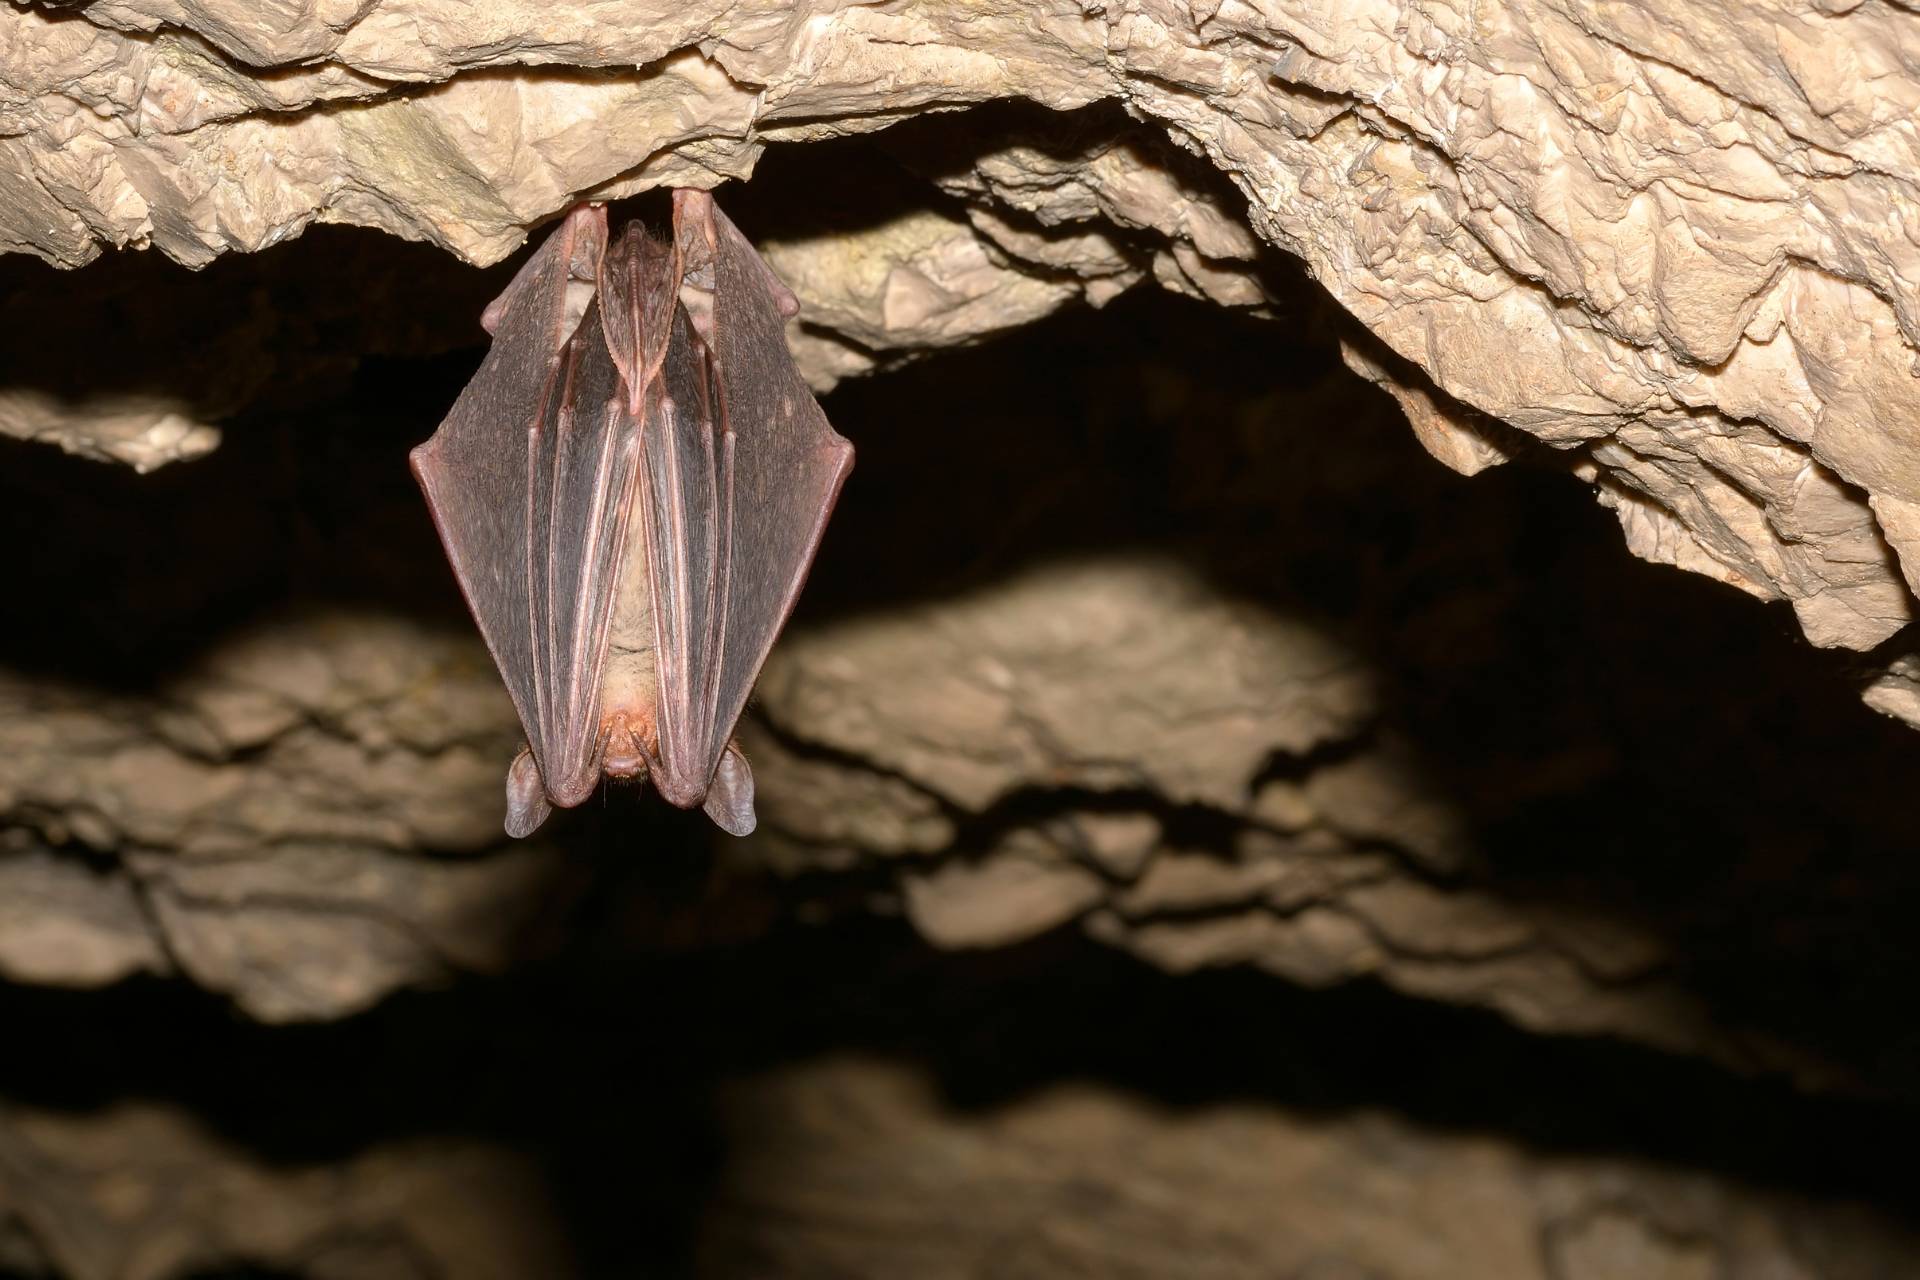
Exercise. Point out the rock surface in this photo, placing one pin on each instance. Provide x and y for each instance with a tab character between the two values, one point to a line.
1113	708
1147	630
145	1192
1080	1179
852	1110
268	814
1670	243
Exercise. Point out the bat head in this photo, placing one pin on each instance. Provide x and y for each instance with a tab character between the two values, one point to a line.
626	751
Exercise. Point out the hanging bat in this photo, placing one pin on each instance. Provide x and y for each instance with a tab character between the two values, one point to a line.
631	490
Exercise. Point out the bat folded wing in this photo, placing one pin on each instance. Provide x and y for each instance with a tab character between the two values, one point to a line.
636	455
740	480
524	481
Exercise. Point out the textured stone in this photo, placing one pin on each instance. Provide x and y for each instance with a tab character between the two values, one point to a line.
1896	691
1667	240
1666	249
1249	693
1080	674
145	1192
267	810
1082	1179
63	925
141	435
1007	898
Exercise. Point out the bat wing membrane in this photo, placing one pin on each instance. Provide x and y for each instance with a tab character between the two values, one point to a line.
740	479
582	459
788	463
687	501
530	480
671	396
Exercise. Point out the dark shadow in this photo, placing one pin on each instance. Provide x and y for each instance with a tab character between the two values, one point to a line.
1624	737
603	1068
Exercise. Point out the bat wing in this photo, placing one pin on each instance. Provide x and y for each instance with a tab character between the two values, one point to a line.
582	459
530	480
740	471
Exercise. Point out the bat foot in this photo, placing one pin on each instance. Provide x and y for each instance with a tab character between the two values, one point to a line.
730	799
527	804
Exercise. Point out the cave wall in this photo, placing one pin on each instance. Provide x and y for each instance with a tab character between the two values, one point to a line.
1670	241
1148	650
1247	698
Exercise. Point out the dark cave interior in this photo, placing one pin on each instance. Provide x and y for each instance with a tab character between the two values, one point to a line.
1622	735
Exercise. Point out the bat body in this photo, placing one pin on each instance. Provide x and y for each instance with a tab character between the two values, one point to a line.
631	490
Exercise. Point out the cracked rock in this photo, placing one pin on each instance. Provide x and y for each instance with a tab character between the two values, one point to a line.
1694	281
1143	629
145	1192
1079	1178
270	809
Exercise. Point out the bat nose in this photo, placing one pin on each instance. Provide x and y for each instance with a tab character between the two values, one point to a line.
625	755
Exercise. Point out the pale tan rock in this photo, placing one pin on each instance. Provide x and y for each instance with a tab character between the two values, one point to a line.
918	283
270	808
1121	844
308	932
1618	1244
1541	987
1639	223
306	817
1896	692
1313	867
375	712
141	1191
1385	795
1282	803
1315	947
1671	243
1084	673
834	808
62	925
1178	881
1609	948
1455	439
1421	919
1016	892
1080	1178
133	431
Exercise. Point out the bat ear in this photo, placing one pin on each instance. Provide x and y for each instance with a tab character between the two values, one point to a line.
730	798
527	805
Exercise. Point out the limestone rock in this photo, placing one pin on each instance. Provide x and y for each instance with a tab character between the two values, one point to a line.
266	815
65	926
1248	694
1080	675
1082	1179
1006	898
140	435
1195	667
1664	240
145	1192
1896	691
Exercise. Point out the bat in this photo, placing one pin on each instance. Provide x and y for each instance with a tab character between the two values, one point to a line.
630	491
